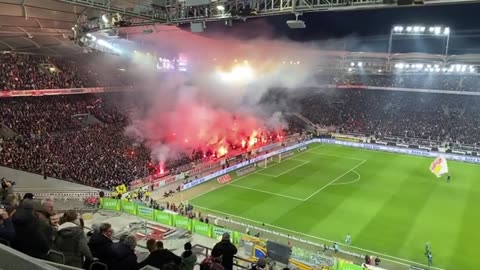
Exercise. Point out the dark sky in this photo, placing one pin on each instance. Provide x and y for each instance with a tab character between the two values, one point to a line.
367	30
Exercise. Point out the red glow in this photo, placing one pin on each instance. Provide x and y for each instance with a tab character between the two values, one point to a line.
222	151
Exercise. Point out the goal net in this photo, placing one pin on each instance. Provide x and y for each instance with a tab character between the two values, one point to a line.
270	161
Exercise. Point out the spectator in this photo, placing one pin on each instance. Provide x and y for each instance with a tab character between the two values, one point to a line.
189	259
71	241
7	230
159	257
228	251
260	265
123	254
10	203
31	236
213	262
100	243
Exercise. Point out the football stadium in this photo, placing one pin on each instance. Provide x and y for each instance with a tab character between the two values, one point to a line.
239	135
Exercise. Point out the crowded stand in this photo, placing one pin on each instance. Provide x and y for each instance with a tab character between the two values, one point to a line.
436	117
28	72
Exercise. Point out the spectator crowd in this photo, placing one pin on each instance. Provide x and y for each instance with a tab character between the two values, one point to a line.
438	117
36	229
28	72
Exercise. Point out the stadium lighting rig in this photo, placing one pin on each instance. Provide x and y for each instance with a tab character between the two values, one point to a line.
435	68
420	31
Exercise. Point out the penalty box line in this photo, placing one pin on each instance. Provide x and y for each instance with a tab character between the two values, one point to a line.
287	171
335	180
244	176
384	256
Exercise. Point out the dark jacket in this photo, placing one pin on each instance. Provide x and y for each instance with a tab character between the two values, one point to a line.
188	260
158	258
123	258
33	236
228	250
7	231
71	241
100	246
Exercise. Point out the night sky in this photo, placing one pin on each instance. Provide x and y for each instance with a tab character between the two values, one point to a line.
368	30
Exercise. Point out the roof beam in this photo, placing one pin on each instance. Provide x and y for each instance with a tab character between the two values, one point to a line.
8	45
31	41
106	6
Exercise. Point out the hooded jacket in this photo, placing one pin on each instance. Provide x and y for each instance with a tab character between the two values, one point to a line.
71	241
123	258
32	237
188	260
228	250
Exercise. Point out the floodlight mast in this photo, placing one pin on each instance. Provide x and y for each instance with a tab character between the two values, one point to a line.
417	30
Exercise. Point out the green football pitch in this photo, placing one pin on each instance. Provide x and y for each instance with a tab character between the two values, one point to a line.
391	204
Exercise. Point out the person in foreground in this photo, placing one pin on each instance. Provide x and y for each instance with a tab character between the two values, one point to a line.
227	250
123	252
188	257
71	241
159	257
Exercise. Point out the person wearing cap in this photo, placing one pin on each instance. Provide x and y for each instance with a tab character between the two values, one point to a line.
260	265
227	249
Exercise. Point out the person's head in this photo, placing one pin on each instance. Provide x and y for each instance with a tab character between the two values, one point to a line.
261	263
187	246
106	229
129	241
151	245
55	219
48	205
70	216
29	196
226	236
159	244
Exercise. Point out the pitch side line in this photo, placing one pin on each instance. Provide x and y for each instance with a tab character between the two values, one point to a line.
267	192
241	177
334	180
384	256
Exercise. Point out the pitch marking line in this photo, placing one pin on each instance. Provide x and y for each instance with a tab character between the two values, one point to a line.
268	192
335	180
384	256
241	177
287	171
350	182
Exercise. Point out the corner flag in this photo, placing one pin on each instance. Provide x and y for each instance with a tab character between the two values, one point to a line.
439	166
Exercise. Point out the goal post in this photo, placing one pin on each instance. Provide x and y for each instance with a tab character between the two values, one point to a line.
269	161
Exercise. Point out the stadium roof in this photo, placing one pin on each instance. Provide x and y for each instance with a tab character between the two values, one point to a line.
45	26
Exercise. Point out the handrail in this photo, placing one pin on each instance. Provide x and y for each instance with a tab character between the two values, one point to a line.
235	261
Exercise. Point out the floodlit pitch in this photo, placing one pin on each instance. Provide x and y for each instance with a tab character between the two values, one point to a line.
391	204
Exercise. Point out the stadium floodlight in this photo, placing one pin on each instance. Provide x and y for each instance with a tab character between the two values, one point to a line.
352	64
220	8
420	66
407	66
360	64
420	30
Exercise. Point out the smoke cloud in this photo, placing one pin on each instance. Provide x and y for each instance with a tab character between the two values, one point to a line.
218	102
